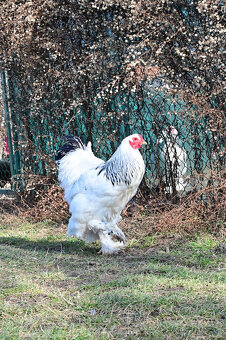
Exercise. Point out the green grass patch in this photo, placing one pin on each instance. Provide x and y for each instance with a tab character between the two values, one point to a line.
55	288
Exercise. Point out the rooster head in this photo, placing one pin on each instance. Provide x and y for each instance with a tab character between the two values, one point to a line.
136	141
172	131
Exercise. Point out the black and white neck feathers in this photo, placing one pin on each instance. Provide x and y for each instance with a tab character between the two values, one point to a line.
126	166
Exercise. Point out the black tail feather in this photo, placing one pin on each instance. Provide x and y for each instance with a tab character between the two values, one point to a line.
72	143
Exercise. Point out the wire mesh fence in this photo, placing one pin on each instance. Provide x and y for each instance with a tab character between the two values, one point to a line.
103	70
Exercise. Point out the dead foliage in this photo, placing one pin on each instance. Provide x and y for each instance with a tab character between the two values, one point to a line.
145	215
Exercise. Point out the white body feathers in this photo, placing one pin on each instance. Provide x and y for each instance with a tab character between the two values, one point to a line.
97	191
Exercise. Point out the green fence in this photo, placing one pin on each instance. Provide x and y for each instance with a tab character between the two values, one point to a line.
175	163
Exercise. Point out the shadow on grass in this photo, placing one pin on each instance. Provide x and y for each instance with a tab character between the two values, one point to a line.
69	247
133	257
81	261
75	246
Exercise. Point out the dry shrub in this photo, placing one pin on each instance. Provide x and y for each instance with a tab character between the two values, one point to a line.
192	215
203	210
41	200
51	206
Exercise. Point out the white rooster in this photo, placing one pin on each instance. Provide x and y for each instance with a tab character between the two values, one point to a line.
176	159
97	191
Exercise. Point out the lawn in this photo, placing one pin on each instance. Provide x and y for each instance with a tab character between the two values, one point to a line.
161	287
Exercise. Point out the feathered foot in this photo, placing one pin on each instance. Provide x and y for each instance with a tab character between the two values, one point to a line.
117	234
107	228
108	246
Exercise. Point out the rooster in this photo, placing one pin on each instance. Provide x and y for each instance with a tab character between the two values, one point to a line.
176	158
97	191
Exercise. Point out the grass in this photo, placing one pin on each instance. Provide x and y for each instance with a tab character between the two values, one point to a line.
160	288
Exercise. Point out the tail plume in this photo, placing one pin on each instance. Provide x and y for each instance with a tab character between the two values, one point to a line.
72	143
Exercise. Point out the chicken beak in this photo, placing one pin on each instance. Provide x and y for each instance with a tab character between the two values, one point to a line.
143	142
